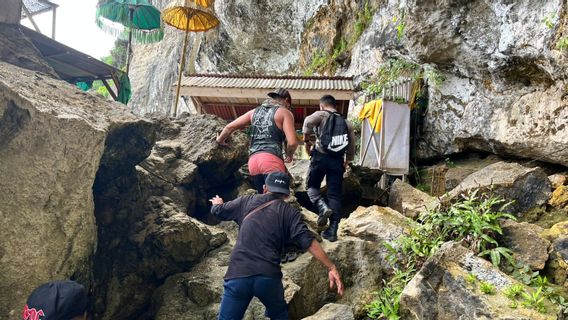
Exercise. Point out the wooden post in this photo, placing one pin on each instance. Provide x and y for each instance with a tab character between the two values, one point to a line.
53	22
29	16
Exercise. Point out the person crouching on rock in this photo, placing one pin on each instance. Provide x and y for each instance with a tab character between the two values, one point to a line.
266	224
271	123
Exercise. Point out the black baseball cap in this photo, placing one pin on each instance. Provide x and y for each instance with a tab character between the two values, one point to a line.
278	182
280	93
56	300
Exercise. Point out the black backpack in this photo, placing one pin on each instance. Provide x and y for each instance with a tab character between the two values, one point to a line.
334	136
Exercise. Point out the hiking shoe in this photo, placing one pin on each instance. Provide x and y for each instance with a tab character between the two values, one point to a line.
324	212
331	233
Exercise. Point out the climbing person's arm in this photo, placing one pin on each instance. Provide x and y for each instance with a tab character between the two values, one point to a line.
350	153
239	123
225	210
334	278
308	130
302	236
290	133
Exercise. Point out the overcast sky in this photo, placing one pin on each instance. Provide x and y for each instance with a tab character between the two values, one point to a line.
76	27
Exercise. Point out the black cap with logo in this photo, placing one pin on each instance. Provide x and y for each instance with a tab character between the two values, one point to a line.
56	300
278	182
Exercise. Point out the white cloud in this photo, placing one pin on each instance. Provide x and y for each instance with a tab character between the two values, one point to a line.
76	27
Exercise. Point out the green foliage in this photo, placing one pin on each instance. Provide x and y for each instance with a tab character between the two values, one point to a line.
562	43
391	70
548	20
496	253
387	302
473	220
523	273
363	20
449	163
424	187
434	77
319	61
534	300
100	88
399	24
513	291
487	288
119	54
471	278
540	281
339	48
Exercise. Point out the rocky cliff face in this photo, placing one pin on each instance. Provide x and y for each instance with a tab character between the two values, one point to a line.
505	78
52	141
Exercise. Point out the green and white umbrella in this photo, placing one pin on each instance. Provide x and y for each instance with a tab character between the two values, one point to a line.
135	20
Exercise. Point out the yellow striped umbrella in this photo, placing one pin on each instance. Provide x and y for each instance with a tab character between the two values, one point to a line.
189	15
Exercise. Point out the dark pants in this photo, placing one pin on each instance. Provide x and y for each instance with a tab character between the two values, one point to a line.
238	293
332	168
258	181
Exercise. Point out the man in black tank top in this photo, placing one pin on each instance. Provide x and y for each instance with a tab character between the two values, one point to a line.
271	125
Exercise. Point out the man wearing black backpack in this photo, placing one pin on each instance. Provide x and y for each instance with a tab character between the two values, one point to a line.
333	150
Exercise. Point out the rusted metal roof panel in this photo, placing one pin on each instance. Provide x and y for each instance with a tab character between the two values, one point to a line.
269	82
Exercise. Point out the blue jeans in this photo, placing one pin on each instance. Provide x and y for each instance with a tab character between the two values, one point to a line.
238	293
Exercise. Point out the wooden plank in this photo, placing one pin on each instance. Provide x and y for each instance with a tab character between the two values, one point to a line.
234	111
112	94
29	16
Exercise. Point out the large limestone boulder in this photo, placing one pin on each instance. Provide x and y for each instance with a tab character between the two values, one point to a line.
408	200
148	212
53	138
440	290
375	224
525	241
333	311
527	187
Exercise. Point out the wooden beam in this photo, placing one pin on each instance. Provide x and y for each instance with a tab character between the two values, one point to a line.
112	94
29	16
234	111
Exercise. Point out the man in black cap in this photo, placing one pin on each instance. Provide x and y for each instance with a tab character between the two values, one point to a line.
266	224
57	300
271	123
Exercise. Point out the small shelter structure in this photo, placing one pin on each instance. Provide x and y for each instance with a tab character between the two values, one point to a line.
230	96
385	130
72	65
31	8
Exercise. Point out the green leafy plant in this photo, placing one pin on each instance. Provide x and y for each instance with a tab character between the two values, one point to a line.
470	278
487	288
399	24
363	20
496	253
387	302
449	163
513	291
548	20
562	43
522	273
534	300
539	281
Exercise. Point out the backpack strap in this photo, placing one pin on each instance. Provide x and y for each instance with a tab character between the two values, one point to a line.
257	209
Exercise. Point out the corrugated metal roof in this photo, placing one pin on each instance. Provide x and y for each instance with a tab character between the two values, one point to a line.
38	6
268	82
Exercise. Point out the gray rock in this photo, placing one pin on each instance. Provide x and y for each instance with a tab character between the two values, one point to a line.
525	241
361	265
12	12
408	200
53	138
17	49
375	224
527	187
333	311
439	290
558	179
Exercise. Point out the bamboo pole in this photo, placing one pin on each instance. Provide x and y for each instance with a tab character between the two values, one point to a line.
181	64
